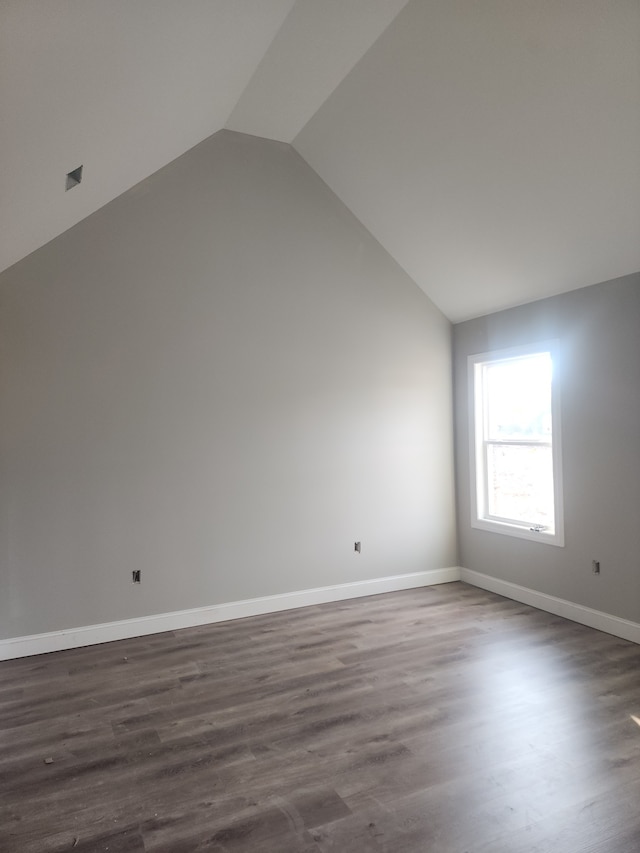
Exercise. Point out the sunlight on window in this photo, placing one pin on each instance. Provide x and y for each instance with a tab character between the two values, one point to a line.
519	464
516	471
518	393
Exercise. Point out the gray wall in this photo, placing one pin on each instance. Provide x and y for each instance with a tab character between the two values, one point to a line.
221	379
599	374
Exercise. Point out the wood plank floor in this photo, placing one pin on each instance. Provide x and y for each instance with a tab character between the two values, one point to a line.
444	719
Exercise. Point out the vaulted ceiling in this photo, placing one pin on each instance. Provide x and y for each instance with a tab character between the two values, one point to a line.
493	148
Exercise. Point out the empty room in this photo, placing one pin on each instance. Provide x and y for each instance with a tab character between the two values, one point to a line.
320	426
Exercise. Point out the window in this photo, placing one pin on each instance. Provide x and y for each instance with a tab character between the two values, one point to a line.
515	444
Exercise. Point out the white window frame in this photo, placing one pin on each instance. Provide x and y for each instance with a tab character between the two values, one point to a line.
477	442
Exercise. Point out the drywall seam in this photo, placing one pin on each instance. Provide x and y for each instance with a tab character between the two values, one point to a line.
89	635
623	628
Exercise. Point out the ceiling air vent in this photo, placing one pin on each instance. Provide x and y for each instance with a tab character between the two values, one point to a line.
73	178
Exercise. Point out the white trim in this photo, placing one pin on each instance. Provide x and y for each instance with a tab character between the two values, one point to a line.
480	518
88	635
623	628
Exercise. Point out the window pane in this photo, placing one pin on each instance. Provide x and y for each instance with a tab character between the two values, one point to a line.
518	398
520	484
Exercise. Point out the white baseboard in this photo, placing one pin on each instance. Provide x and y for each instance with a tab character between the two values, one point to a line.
89	635
623	628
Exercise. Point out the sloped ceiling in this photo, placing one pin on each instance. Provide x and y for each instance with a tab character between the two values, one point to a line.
492	148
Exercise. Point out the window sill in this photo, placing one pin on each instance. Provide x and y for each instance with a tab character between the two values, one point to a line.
514	530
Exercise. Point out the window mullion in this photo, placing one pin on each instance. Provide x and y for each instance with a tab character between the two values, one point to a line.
518	442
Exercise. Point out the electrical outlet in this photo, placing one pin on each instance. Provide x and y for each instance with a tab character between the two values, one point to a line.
595	567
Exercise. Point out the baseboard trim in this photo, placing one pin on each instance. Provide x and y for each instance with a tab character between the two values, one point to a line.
623	628
89	635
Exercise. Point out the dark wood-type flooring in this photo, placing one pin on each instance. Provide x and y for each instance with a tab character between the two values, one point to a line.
444	719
